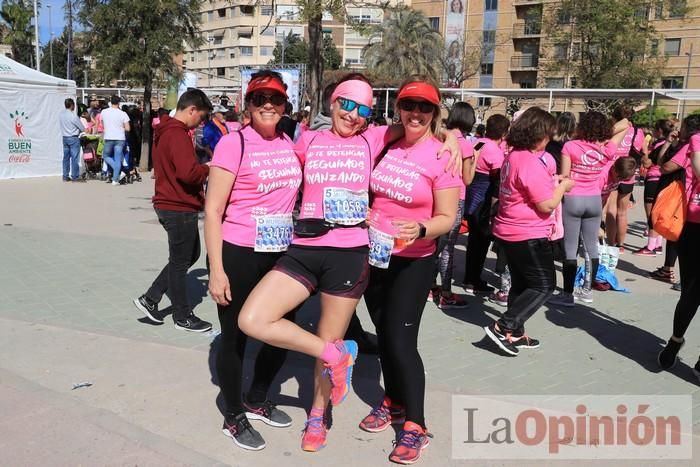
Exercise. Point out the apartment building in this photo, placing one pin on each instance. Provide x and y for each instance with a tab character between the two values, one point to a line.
244	33
508	44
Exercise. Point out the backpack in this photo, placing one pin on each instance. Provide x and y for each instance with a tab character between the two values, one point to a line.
669	211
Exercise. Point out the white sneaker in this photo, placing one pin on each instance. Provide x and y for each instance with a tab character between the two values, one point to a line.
583	295
115	183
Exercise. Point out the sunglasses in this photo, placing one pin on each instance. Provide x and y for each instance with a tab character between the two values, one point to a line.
410	106
260	99
348	106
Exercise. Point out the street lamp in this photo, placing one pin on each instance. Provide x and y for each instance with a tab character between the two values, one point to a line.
687	76
51	39
36	35
210	40
87	59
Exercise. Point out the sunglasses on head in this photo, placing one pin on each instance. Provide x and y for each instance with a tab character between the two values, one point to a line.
410	106
348	106
259	99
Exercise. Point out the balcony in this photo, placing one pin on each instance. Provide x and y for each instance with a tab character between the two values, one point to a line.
527	30
527	2
524	62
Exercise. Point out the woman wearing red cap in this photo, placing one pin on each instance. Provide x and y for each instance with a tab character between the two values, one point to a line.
253	183
415	202
329	250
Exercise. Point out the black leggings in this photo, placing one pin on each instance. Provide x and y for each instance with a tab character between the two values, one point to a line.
477	249
395	300
244	268
671	254
531	264
689	262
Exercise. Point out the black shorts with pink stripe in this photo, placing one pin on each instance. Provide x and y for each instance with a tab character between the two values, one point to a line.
343	272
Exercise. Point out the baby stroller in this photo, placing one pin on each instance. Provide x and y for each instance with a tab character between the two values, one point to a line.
93	161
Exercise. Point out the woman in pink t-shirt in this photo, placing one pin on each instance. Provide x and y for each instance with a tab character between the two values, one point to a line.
688	244
662	133
586	160
253	184
524	224
415	202
619	201
329	249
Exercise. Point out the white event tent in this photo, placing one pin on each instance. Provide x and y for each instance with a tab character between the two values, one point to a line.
31	144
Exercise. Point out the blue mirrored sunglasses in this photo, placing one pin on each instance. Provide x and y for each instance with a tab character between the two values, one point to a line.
348	106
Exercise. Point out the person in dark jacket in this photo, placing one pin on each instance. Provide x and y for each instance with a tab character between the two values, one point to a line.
178	199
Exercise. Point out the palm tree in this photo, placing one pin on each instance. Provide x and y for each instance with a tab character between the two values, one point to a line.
19	32
404	45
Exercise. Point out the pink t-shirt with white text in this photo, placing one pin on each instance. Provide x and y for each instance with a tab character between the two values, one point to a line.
490	156
336	181
467	153
588	161
654	171
527	178
692	182
268	176
623	150
403	184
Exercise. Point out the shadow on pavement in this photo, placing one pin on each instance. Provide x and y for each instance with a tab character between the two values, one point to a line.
627	340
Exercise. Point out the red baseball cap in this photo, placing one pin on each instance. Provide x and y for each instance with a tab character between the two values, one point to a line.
265	83
420	90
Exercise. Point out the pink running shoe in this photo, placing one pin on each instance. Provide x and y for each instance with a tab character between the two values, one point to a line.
314	437
410	444
380	418
340	373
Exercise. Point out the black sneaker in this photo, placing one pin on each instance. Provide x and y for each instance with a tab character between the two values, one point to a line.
668	357
696	369
268	413
244	435
480	288
148	308
525	342
192	323
504	340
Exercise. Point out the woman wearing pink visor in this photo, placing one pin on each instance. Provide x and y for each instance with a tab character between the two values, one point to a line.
329	250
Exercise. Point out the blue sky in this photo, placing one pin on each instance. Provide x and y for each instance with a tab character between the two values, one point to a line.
57	19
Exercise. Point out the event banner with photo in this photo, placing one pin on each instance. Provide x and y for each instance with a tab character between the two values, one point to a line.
454	38
30	137
291	76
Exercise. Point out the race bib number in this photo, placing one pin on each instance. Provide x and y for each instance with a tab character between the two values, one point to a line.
273	233
380	246
345	207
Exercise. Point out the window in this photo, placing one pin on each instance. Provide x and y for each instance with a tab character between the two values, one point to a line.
659	10
556	83
434	23
266	10
221	71
247	10
210	16
672	82
266	50
232	53
221	12
487	68
642	12
672	47
654	48
527	84
288	12
269	31
483	102
217	40
563	17
489	37
561	51
676	8
353	56
246	51
283	31
491	5
245	33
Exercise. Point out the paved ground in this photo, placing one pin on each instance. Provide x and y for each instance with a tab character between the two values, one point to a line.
72	256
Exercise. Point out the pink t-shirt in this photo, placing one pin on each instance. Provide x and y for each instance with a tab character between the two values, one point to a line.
336	182
694	197
588	161
232	126
608	182
268	177
403	184
467	152
490	156
623	150
527	178
654	171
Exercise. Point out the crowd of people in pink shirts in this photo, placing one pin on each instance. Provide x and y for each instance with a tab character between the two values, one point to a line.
348	210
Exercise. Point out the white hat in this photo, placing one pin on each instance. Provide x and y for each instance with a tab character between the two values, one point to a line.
219	109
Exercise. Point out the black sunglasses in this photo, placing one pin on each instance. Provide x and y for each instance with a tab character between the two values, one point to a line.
410	106
259	99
